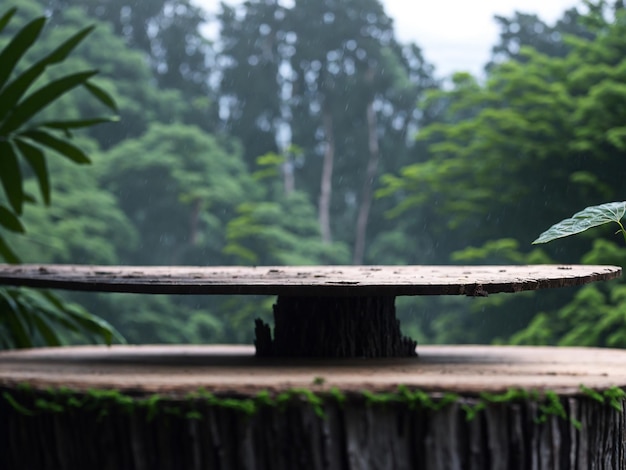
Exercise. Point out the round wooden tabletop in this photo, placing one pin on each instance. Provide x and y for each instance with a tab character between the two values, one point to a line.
179	370
306	280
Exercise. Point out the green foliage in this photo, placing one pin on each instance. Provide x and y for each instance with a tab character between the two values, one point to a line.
38	318
33	318
178	186
280	232
542	136
21	136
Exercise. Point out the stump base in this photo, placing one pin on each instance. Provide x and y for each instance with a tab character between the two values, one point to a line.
333	327
172	407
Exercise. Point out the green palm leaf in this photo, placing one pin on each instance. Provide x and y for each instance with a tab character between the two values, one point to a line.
13	93
4	19
15	320
18	46
61	146
10	221
37	161
11	176
77	123
101	96
41	98
7	253
28	317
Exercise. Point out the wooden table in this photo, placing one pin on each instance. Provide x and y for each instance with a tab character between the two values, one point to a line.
332	311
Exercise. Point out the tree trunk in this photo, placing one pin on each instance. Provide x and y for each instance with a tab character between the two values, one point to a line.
368	185
326	185
179	407
339	327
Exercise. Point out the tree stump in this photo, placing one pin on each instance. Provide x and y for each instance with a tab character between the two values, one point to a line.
334	327
454	407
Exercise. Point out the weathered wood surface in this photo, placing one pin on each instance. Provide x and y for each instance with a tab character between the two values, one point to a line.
306	280
352	434
234	369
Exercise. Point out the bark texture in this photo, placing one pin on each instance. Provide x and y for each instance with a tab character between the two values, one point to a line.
354	435
334	327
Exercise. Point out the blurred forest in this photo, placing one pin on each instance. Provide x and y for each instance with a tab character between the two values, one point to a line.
308	134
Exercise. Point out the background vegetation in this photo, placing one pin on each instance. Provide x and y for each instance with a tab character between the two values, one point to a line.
309	135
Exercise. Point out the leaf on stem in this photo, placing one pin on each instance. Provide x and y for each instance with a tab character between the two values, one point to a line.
589	217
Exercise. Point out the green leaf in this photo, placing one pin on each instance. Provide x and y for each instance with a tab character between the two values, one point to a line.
14	92
20	43
589	217
10	221
37	161
46	330
4	19
85	321
76	124
13	319
11	176
63	147
101	95
61	52
7	253
41	98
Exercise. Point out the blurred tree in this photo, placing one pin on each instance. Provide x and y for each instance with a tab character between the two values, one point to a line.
334	80
67	233
179	187
528	30
538	141
254	45
168	32
279	228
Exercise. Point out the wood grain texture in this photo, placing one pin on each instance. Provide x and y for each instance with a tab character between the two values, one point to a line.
352	434
306	280
179	370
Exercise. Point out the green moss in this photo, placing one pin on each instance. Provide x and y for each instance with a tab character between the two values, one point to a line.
17	406
337	395
613	396
29	401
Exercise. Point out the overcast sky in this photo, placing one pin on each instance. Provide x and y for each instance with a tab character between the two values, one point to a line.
455	35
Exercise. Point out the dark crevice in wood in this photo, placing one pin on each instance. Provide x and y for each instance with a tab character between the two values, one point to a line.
333	327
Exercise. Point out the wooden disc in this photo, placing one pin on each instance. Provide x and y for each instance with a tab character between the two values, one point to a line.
306	280
234	369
